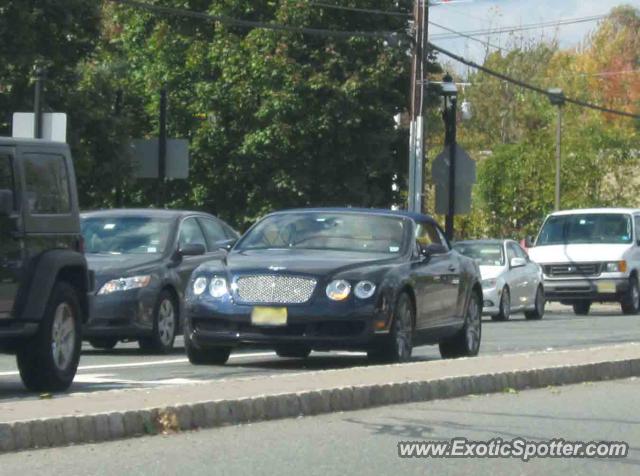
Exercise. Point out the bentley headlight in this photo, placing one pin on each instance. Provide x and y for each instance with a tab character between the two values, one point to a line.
489	283
615	267
218	287
364	289
125	284
199	285
338	290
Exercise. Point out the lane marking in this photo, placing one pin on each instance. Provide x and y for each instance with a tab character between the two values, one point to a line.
172	361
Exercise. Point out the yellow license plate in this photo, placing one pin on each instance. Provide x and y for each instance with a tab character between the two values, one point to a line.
269	316
606	287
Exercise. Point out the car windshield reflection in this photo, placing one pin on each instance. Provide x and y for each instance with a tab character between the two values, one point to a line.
125	235
328	231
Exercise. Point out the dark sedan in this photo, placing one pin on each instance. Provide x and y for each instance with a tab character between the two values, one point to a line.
327	279
142	260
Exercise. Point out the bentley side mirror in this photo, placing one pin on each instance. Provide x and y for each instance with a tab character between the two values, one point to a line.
518	262
192	249
6	202
227	244
432	249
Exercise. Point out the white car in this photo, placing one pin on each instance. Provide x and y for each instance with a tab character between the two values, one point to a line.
591	255
511	282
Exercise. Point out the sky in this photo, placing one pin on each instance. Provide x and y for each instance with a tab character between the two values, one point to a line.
467	15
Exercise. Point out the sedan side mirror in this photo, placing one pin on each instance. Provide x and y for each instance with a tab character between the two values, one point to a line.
432	250
518	262
192	249
529	242
6	202
227	244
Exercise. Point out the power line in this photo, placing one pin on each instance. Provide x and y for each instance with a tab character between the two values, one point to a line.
170	11
458	34
510	29
360	10
531	87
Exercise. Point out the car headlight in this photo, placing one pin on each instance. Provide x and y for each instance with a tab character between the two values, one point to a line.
364	289
489	283
218	287
199	285
338	290
615	267
125	284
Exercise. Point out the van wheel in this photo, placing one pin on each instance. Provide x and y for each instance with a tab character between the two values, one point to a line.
466	343
505	306
48	361
103	343
631	301
581	308
165	323
537	312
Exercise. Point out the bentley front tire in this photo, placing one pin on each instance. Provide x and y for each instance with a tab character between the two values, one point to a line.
399	344
466	343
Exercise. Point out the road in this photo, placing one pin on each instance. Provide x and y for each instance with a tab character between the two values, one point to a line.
365	442
126	367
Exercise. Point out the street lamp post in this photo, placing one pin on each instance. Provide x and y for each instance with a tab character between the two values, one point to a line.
450	97
556	97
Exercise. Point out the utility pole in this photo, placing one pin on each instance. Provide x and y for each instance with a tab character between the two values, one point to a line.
118	105
418	78
162	148
556	97
38	100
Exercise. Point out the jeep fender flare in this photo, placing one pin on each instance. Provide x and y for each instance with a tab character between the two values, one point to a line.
47	269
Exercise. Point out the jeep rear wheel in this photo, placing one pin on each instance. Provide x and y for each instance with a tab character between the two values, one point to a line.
48	361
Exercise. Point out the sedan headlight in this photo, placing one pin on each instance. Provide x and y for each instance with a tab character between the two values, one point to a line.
218	287
338	290
615	267
199	285
364	289
489	283
125	284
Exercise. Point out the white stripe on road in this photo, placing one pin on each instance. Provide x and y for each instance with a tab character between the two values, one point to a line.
169	362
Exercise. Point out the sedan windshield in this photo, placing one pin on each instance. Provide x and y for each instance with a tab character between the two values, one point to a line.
125	235
328	231
485	254
586	228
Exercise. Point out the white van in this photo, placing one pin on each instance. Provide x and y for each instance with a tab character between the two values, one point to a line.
590	255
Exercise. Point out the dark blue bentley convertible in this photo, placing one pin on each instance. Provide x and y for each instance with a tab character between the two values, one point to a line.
379	281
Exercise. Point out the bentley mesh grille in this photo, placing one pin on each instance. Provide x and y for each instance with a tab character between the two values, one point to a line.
274	289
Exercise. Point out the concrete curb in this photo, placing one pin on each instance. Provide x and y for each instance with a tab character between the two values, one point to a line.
67	430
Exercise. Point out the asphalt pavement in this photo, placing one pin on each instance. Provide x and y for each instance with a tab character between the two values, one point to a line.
127	367
366	442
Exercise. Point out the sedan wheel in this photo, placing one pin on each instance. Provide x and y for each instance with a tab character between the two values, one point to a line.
165	323
399	344
538	310
505	306
466	343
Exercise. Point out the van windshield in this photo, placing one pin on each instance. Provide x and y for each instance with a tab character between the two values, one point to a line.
613	228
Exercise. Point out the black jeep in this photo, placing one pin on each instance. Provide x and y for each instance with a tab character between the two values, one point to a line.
43	273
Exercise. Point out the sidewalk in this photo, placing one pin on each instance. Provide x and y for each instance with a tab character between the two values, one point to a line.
120	413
